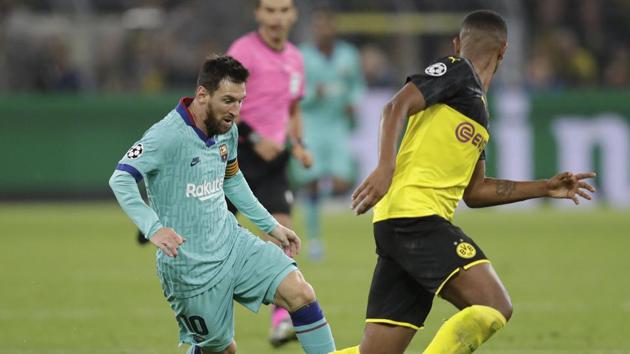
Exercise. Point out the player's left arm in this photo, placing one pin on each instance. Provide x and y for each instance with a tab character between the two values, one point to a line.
484	191
298	149
238	192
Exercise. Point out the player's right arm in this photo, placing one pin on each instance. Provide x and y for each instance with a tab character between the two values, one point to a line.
407	102
440	81
126	190
141	159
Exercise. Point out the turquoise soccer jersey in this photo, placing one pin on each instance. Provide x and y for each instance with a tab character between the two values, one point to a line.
184	173
340	82
333	83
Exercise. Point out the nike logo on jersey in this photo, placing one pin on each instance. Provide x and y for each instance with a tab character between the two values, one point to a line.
195	161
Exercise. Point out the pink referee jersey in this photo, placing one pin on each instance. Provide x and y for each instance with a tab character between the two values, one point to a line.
276	80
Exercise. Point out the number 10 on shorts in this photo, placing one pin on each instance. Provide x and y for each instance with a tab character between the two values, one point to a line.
195	324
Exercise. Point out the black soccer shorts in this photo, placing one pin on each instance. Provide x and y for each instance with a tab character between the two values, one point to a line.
416	257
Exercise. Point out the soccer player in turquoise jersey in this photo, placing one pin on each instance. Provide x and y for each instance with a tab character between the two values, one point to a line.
334	85
205	259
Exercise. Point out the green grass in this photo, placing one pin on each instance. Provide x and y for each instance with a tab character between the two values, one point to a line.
74	281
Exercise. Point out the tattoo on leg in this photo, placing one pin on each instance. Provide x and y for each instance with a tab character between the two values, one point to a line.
505	188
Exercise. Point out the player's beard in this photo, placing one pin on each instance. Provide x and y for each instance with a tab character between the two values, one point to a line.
213	123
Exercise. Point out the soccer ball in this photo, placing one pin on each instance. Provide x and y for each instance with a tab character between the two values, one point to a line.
135	151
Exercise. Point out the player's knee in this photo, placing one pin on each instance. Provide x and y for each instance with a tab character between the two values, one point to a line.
231	349
506	310
304	295
504	306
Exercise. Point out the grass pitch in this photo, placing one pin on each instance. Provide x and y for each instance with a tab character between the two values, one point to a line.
73	280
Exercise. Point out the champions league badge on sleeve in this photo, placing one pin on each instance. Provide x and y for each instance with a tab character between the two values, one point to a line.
437	69
135	151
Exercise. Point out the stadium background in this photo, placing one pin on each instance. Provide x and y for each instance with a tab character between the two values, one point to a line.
80	80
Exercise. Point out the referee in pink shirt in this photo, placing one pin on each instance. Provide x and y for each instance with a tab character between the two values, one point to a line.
270	127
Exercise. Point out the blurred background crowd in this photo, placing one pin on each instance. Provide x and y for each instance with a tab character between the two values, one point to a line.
156	45
559	100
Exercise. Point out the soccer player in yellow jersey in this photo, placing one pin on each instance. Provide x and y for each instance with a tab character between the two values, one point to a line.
440	161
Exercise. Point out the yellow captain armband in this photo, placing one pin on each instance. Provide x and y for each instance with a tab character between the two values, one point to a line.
231	169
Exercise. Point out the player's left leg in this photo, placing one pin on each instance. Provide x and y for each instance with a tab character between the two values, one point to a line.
311	327
485	308
266	275
397	304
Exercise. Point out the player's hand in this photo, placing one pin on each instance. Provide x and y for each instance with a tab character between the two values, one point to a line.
268	149
567	185
372	189
302	155
167	240
287	240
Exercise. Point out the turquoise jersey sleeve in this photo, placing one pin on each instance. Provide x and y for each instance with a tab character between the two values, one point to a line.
126	191
147	156
238	192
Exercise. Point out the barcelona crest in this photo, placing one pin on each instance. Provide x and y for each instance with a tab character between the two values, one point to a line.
223	151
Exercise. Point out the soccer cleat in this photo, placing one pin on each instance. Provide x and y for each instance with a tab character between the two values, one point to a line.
282	333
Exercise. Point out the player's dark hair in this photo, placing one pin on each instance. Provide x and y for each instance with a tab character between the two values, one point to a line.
259	3
219	67
487	21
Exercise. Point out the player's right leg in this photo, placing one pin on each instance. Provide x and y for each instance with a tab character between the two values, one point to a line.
206	320
397	304
397	308
484	305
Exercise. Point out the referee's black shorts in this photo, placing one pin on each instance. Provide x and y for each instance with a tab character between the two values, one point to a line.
416	257
267	179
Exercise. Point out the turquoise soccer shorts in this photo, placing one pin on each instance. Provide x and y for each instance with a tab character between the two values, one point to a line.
207	320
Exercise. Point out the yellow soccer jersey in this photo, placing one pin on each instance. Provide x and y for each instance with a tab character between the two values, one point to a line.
441	145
